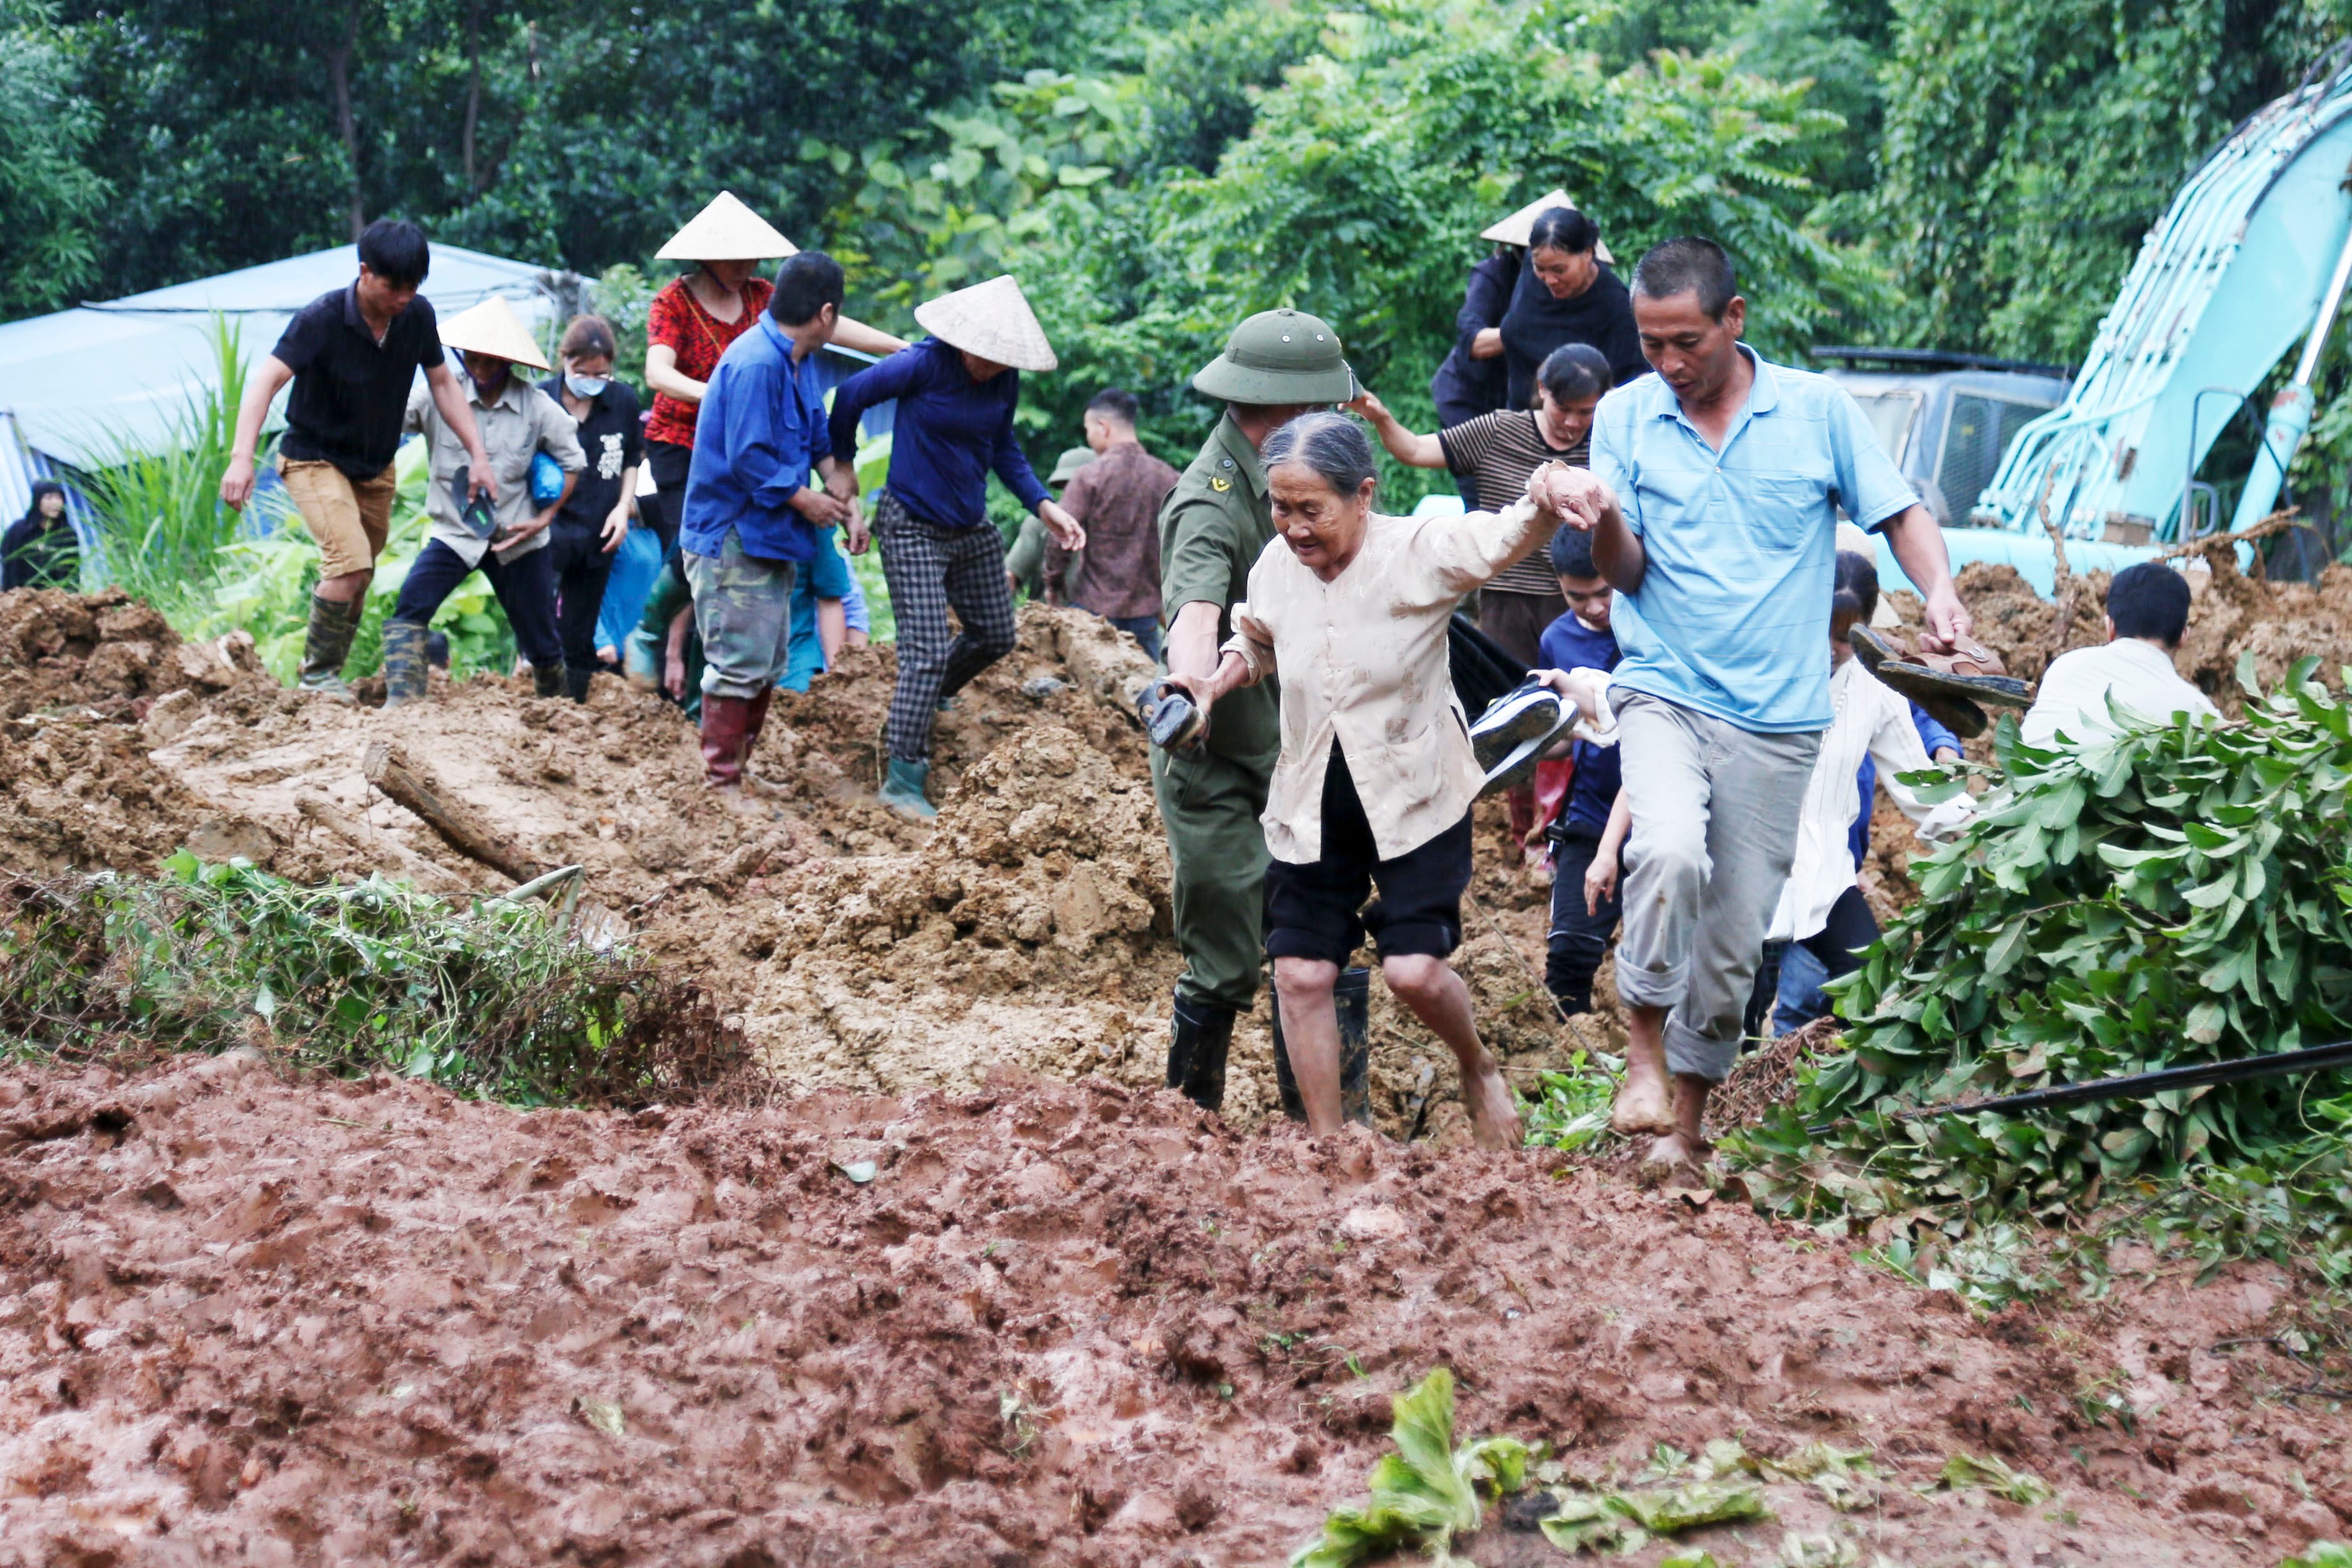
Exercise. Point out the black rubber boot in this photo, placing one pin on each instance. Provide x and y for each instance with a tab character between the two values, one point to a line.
1196	1051
1352	996
547	679
576	681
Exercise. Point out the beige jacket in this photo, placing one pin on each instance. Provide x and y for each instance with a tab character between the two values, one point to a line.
522	424
1364	658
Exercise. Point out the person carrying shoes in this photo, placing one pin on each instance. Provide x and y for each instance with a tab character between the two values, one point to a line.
504	540
1214	526
755	499
353	356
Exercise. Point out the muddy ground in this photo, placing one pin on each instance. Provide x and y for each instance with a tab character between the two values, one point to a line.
248	1321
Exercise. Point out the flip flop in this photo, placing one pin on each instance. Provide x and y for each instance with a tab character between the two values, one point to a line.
1521	715
1920	681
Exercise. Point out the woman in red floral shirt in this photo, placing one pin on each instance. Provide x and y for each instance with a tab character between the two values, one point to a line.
691	324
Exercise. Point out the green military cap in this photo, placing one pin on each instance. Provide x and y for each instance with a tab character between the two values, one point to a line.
1066	466
1280	357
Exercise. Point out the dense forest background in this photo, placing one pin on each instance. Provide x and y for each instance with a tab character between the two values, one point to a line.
1969	175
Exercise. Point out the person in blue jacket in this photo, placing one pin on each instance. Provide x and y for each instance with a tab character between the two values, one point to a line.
956	391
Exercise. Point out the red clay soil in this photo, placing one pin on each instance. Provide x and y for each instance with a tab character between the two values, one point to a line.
243	1321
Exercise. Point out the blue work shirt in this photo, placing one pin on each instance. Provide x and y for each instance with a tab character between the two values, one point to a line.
756	445
1569	644
949	432
1932	735
1742	544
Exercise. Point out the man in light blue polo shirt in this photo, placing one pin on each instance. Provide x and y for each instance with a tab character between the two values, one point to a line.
1713	500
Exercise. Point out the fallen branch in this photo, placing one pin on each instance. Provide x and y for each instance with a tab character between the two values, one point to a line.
2064	587
2278	521
449	815
387	853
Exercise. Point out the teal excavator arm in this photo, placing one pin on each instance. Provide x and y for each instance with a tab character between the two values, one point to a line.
2253	254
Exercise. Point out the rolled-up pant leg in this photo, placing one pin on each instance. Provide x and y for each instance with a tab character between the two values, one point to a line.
1216	847
1714	828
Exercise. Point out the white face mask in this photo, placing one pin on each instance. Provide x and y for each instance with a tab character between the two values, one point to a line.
586	385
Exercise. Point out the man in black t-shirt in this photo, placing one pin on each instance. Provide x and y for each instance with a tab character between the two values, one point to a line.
353	356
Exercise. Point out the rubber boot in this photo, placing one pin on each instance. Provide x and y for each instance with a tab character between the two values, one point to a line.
753	725
1351	997
907	789
547	679
723	723
576	682
1203	1033
327	643
405	673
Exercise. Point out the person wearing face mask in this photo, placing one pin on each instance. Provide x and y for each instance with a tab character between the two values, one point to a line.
507	541
39	550
1566	294
956	391
594	520
1496	452
692	323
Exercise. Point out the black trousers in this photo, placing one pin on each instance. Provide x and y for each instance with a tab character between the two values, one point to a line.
1838	945
525	587
581	566
1578	939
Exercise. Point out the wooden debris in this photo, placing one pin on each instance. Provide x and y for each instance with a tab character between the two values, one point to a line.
459	823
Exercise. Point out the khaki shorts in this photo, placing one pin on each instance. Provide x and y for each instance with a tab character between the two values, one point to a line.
348	517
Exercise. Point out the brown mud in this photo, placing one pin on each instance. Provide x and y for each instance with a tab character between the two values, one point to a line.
244	1321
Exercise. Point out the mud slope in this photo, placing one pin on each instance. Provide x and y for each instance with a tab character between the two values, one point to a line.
1044	1324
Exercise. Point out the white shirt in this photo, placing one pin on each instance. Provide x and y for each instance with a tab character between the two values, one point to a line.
1364	658
2074	691
1869	719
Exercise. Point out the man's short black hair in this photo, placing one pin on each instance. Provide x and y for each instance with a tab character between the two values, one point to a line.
2149	600
806	284
1571	554
395	250
1685	266
1115	404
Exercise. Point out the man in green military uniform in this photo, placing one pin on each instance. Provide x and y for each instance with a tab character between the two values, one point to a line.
1216	521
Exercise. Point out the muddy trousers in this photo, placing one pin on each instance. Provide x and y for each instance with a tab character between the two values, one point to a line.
1714	828
1216	845
525	587
744	613
930	572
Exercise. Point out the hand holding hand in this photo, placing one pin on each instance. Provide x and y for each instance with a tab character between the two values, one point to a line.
842	484
1575	496
820	507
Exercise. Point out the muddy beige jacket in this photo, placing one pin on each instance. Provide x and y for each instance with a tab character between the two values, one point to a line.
1364	658
522	423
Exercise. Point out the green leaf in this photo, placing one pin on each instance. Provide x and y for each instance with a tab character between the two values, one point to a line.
1993	1476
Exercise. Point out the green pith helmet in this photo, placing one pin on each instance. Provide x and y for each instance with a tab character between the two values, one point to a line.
1066	466
1279	357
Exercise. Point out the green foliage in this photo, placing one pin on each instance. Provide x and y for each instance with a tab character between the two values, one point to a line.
54	202
1570	1107
491	997
1994	1475
1427	1491
2321	1555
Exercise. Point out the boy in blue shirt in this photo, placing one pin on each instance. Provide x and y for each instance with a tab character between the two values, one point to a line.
1581	926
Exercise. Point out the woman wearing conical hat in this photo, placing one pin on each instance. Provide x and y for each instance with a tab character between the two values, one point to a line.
956	391
505	540
692	321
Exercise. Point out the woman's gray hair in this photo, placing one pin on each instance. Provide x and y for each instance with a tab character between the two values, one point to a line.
1331	443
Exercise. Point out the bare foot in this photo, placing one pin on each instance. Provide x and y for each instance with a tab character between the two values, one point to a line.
1644	1104
1676	1160
1493	1122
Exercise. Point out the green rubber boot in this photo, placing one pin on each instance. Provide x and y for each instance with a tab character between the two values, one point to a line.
327	643
547	679
906	788
404	671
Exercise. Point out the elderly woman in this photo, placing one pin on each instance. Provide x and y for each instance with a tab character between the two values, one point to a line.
693	320
956	391
1566	294
1376	775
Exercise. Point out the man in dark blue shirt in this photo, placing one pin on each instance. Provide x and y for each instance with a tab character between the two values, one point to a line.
956	391
753	503
1581	926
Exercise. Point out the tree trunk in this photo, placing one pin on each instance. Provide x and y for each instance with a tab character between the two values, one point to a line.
473	91
339	76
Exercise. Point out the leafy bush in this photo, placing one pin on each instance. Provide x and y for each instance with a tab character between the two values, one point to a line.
2177	894
491	997
1426	1493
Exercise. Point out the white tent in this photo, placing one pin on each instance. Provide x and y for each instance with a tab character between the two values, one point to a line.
79	383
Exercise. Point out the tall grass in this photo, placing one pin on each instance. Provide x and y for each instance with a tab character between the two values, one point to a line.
160	522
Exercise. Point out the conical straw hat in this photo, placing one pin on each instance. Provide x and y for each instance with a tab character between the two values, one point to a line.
726	230
1515	228
492	328
992	320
